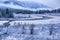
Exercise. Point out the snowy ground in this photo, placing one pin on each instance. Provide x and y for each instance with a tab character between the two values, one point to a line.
41	29
36	19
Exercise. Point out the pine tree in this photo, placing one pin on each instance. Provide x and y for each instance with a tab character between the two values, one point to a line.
9	14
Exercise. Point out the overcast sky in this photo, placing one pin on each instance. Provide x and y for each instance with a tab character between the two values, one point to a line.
51	3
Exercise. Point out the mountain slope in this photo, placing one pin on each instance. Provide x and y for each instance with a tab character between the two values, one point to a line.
31	5
22	5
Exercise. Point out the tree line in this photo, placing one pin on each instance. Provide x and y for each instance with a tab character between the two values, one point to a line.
8	13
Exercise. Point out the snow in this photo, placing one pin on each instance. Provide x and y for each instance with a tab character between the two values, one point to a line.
44	8
10	38
25	5
41	29
54	19
15	7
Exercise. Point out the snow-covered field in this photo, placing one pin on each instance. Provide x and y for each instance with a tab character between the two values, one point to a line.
46	27
34	18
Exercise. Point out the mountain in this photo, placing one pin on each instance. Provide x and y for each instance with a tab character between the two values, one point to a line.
32	5
25	5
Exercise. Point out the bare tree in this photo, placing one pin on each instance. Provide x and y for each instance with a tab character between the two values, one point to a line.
7	23
23	28
51	29
31	29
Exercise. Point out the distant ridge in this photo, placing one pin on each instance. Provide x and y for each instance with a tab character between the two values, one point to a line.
25	5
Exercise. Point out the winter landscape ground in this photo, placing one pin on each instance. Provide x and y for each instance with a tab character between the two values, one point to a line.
37	27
